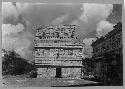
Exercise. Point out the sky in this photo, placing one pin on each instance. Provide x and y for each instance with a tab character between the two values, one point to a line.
19	21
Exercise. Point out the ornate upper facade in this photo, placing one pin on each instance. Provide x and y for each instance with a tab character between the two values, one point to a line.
54	45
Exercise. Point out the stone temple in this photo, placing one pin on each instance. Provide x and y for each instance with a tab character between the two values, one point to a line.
56	53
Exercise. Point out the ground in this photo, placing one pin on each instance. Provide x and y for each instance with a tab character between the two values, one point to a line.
44	82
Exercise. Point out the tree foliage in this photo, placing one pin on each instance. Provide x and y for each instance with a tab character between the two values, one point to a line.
87	51
14	64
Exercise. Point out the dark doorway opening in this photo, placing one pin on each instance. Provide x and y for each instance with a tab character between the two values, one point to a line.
58	73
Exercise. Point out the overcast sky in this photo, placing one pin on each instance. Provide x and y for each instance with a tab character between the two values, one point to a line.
92	20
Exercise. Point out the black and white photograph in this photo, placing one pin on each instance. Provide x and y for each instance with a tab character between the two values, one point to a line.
61	44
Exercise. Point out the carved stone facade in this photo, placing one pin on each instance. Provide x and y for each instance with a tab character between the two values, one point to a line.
111	42
108	56
56	52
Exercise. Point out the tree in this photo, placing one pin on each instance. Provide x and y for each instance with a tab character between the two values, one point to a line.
8	61
87	51
87	61
13	64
